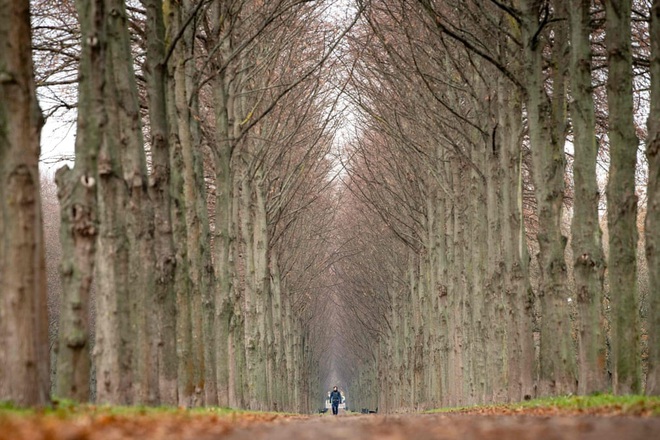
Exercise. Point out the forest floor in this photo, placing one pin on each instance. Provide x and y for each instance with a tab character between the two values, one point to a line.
546	421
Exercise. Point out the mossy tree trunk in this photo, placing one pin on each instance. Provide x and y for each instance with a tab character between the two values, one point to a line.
622	202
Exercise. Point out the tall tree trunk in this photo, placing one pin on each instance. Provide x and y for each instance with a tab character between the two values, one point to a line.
197	229
494	322
481	301
282	388
159	186
254	350
520	347
262	286
24	357
206	313
185	387
229	316
203	311
653	209
113	349
547	122
440	263
222	240
196	368
237	349
437	262
139	210
193	221
457	310
589	262
288	331
622	202
77	195
176	76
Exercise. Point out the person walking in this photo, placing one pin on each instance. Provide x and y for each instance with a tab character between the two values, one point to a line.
335	400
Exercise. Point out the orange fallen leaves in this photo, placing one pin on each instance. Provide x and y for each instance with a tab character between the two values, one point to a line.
166	426
550	411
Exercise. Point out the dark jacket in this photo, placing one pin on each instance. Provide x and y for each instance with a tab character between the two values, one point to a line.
335	397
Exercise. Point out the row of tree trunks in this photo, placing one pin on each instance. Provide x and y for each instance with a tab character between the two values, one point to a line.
152	236
449	371
461	222
478	289
176	323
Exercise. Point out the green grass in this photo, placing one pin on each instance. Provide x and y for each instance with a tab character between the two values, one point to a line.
605	401
601	403
10	408
63	408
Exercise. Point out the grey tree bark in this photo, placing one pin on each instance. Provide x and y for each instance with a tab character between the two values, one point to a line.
222	239
196	217
139	217
588	258
547	122
228	317
653	209
79	223
622	202
188	368
113	348
159	187
518	292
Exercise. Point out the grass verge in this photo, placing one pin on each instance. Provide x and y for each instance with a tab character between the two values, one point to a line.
62	408
601	404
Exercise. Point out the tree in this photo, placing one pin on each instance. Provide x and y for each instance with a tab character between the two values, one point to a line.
77	191
547	134
622	202
588	258
653	208
24	354
159	186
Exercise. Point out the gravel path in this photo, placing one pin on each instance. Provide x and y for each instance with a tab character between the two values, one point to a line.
184	426
456	427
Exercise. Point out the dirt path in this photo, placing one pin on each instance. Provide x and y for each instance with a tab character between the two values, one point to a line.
458	427
363	427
